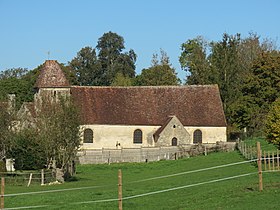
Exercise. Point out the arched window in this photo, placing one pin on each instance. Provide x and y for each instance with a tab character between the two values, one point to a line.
197	137
137	136
174	141
88	135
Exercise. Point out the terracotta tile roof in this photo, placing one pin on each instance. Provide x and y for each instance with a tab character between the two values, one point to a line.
158	132
51	75
192	105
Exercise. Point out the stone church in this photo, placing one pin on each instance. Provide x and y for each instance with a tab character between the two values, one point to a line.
134	117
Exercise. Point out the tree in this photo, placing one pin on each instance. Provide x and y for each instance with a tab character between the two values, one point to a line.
59	134
16	81
230	64
261	90
121	80
193	60
160	73
112	59
87	67
272	130
26	150
13	73
6	125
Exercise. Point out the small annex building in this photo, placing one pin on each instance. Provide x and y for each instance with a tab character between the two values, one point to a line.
134	117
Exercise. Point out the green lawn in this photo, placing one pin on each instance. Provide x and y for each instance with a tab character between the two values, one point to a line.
265	146
99	182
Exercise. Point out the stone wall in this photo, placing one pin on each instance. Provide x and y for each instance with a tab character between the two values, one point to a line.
145	154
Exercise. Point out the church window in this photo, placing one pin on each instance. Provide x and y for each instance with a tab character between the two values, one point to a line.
137	136
174	142
88	136
197	137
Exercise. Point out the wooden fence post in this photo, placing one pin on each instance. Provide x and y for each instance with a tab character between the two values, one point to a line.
30	178
264	158
273	161
268	155
2	192
42	177
260	166
278	160
120	188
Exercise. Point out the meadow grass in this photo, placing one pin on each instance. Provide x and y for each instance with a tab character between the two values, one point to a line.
265	146
139	178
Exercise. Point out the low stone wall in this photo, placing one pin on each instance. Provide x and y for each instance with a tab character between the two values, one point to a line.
145	154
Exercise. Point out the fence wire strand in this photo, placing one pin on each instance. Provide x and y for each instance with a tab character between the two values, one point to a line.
142	180
142	195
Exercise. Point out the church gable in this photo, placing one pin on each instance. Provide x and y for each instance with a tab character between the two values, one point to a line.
172	133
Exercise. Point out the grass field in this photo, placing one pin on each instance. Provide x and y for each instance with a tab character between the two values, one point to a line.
265	146
99	182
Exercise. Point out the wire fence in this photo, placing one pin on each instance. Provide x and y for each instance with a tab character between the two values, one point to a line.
270	164
270	159
142	180
28	178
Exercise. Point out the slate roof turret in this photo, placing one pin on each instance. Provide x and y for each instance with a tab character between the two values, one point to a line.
51	75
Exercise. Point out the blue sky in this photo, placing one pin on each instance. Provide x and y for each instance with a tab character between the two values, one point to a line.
31	28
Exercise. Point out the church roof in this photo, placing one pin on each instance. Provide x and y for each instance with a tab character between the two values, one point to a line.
152	105
51	75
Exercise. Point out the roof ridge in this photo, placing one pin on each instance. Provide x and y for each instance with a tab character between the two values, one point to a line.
151	87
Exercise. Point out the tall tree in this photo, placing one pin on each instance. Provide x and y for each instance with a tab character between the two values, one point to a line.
112	58
272	130
59	135
121	80
160	73
228	63
193	60
6	125
87	68
17	81
260	90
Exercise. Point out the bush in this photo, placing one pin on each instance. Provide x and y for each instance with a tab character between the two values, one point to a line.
273	123
2	166
26	151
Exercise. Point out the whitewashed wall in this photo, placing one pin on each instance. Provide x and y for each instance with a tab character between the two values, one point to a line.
210	134
107	136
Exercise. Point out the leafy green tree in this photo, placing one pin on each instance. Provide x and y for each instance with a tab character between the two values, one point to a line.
121	80
273	123
59	133
87	67
225	68
194	61
230	63
18	82
6	124
261	90
13	73
160	73
112	58
26	150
